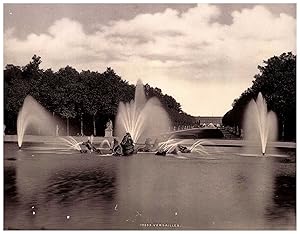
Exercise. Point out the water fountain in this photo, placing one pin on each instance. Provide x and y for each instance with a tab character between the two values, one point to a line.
34	118
260	125
141	118
71	142
106	142
171	146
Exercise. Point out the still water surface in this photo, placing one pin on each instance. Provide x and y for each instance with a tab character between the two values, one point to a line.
222	190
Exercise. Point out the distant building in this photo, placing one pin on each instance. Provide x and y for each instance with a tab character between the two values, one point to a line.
209	119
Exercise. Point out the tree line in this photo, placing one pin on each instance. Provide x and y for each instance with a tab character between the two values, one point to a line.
276	81
84	100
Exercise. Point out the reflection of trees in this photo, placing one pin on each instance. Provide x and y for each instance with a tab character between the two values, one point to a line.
85	189
10	187
284	199
11	198
66	186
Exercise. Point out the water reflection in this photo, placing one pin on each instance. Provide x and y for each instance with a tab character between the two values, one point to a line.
10	187
283	208
83	189
76	192
73	186
11	200
252	183
285	192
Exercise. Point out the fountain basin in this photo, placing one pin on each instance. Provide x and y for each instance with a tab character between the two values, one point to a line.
220	188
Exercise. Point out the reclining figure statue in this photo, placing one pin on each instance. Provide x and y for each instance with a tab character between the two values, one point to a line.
87	146
178	149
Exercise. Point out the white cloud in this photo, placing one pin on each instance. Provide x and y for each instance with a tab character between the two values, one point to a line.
202	63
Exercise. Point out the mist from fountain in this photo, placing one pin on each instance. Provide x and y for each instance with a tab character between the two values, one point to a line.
260	125
35	119
142	118
198	146
106	142
171	144
71	142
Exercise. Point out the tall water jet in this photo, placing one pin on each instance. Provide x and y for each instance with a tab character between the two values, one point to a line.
142	118
260	125
34	119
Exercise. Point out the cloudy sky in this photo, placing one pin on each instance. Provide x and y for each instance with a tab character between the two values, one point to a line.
203	55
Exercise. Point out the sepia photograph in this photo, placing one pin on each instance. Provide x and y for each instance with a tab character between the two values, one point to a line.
149	116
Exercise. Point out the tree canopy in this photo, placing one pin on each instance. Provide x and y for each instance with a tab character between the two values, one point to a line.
276	81
70	94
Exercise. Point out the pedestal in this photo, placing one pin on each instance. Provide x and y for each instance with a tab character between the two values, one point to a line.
108	133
